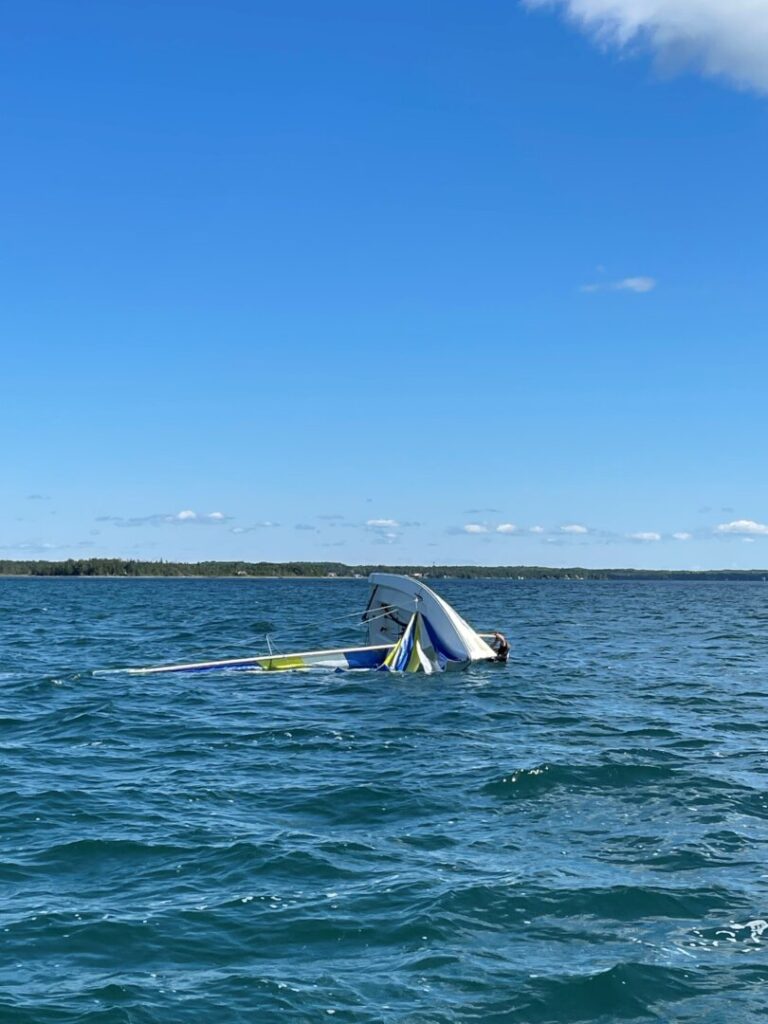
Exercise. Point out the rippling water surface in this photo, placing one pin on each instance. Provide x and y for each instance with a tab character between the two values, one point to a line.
581	835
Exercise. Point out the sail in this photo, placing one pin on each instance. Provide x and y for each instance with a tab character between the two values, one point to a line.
414	651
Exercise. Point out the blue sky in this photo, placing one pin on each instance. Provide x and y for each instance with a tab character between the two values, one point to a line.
387	281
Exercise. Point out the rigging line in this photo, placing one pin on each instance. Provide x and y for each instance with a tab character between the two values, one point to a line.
384	609
349	615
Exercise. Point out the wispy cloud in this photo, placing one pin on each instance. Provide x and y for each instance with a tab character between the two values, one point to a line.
722	38
305	526
188	516
682	535
743	527
45	547
645	537
185	517
638	285
265	524
514	530
386	531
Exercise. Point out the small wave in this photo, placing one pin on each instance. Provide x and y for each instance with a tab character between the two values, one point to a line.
627	990
504	905
364	803
752	935
73	855
530	782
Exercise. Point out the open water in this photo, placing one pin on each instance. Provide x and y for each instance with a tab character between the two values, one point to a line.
579	836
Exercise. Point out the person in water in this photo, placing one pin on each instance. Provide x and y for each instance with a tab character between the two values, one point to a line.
500	645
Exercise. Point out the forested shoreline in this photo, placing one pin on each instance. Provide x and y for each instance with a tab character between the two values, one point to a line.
118	567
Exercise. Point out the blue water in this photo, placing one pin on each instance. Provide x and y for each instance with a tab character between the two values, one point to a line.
578	836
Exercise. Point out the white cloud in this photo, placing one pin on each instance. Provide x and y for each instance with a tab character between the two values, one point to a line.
682	536
266	524
574	528
386	536
475	528
45	546
386	531
187	515
647	536
743	526
638	285
748	540
506	528
724	38
537	529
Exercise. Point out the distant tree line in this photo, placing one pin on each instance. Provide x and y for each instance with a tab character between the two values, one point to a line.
133	567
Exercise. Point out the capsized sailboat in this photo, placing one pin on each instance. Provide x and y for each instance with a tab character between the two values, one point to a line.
410	629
